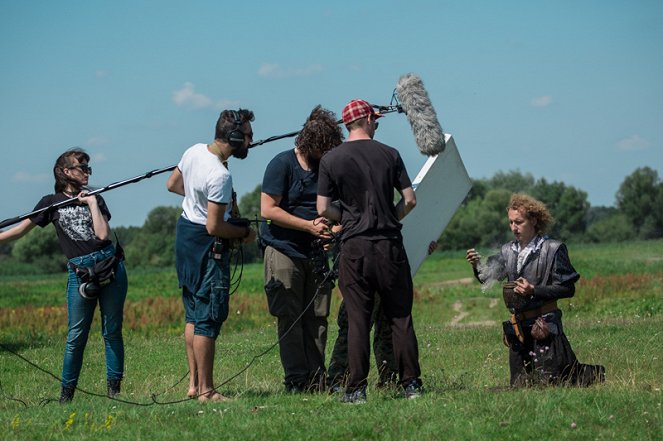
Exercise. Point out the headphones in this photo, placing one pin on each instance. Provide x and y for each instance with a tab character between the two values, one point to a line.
236	137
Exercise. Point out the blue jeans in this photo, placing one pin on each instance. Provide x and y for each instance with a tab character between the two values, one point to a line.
80	313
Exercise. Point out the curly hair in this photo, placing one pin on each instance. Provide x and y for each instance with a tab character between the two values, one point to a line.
532	209
64	161
321	132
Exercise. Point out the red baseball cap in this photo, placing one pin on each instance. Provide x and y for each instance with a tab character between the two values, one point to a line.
356	109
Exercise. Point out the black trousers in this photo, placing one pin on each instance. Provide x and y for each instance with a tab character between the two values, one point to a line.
378	267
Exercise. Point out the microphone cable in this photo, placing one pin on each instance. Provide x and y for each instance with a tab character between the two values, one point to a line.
329	275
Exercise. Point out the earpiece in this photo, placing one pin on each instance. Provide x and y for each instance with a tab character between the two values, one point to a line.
236	136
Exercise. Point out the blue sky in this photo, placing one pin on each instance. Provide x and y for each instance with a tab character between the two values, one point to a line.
567	90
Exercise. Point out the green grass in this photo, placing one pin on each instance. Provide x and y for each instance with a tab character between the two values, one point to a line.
615	319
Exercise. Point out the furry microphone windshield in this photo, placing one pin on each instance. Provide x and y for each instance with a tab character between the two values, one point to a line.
420	113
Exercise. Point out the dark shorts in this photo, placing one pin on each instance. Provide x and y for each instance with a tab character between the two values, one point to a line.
207	309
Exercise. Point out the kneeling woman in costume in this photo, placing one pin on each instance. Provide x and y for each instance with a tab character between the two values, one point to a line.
539	273
84	236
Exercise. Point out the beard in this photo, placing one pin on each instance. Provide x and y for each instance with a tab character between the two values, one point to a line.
241	152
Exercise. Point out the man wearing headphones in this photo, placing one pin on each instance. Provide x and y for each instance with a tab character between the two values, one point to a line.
202	244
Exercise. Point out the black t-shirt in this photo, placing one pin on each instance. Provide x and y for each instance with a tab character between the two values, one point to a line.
363	175
73	224
298	190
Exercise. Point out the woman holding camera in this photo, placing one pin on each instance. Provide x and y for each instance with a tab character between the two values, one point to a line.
84	235
294	260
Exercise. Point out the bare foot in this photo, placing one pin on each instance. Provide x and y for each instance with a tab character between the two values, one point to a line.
192	393
212	396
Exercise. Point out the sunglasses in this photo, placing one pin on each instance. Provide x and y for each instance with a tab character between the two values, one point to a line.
83	167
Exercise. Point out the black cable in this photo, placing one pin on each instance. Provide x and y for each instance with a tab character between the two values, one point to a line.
329	275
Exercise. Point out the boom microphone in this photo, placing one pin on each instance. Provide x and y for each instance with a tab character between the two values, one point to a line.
427	130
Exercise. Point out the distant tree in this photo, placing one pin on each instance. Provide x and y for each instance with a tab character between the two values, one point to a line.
249	203
613	228
154	245
478	222
513	181
41	248
568	205
162	220
639	199
598	213
249	207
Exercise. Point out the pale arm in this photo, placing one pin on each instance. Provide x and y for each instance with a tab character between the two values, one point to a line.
407	203
18	231
270	209
326	209
175	183
217	226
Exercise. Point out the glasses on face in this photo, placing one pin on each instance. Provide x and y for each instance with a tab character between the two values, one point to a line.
83	167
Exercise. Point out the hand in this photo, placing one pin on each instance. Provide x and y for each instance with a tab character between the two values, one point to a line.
251	237
473	257
319	228
523	287
85	199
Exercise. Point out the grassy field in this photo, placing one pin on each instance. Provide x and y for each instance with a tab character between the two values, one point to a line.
616	319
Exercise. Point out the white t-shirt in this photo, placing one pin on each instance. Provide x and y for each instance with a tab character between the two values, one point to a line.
205	179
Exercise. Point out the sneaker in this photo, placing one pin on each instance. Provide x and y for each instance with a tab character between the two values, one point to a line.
113	388
295	388
335	389
358	396
67	394
413	390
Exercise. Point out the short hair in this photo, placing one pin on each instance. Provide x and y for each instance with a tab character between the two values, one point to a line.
532	209
321	132
226	122
64	161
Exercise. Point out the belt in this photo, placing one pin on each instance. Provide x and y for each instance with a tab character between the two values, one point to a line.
527	315
534	313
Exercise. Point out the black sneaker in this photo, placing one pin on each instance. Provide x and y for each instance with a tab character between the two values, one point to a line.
335	389
113	388
67	394
295	388
358	396
413	390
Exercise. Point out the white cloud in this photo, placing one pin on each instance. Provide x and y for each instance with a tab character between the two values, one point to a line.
24	177
541	101
633	142
187	97
98	157
95	141
272	70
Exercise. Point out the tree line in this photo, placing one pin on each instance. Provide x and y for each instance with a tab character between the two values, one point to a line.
480	221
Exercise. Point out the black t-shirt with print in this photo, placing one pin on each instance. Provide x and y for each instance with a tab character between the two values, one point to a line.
73	224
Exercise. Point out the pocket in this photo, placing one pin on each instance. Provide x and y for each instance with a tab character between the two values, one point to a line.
321	302
276	298
218	308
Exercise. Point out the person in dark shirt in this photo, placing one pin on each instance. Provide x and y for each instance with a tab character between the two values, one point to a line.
296	294
363	174
84	235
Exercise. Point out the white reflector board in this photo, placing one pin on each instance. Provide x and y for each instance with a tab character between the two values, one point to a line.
440	187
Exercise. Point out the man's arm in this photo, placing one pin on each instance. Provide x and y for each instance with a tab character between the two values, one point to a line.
407	203
175	182
217	226
270	209
326	209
